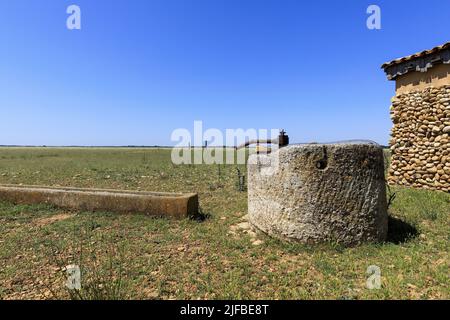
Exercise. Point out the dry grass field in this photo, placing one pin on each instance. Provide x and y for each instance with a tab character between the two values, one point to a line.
137	257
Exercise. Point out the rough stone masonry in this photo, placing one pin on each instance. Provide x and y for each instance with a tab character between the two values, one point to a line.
420	141
315	193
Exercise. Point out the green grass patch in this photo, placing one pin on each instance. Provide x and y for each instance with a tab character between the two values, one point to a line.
148	258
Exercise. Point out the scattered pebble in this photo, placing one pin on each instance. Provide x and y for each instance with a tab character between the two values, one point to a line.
257	242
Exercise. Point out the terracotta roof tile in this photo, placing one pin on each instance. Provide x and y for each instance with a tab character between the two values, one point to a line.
416	55
418	62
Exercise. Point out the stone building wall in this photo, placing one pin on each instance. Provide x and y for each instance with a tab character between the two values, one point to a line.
420	141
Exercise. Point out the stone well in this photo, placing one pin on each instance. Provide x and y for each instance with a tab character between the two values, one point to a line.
315	193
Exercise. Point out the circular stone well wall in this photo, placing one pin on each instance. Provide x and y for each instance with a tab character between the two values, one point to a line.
315	193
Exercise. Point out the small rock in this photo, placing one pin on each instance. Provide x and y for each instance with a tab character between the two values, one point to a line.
257	242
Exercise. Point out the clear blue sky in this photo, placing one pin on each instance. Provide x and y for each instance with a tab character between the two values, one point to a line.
140	69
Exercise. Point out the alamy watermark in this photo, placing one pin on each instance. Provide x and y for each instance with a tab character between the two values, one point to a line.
73	277
374	280
73	22
213	146
374	20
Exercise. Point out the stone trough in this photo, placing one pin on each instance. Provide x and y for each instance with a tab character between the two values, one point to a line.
315	193
171	205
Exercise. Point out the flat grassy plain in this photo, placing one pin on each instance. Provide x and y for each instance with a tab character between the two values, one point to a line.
137	257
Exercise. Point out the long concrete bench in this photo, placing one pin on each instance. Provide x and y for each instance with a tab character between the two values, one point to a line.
171	205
